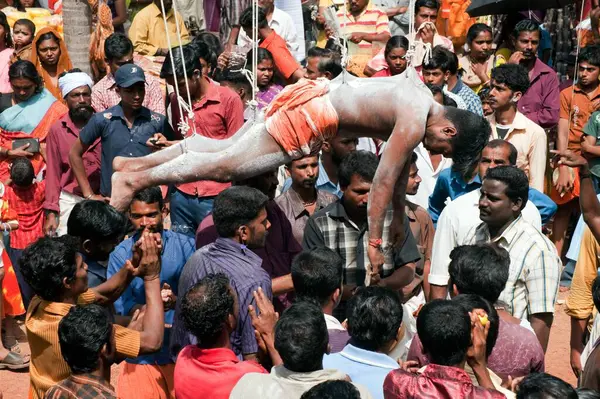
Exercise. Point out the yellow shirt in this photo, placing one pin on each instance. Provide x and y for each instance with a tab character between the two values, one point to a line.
148	33
580	304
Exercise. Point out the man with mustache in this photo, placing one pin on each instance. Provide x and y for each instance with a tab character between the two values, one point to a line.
540	103
303	198
62	189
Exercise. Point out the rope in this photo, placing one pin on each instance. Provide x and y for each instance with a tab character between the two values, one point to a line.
410	54
578	49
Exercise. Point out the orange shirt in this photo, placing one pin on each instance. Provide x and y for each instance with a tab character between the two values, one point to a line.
284	61
577	107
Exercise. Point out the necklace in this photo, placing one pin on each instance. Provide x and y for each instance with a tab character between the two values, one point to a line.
309	203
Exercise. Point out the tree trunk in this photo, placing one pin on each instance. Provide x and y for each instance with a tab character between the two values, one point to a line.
77	20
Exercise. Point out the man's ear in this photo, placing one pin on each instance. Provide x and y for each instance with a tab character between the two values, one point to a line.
516	96
449	131
87	246
326	146
446	76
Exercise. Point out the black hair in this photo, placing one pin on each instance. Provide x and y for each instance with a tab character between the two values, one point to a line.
526	25
235	207
396	41
24	69
201	49
82	334
515	77
586	393
318	52
45	264
236	78
316	274
443	59
262	54
446	100
470	302
433	4
479	269
591	55
476	29
596	292
332	63
96	221
512	150
444	328
413	158
247	17
214	45
332	389
28	23
484	94
187	64
361	163
205	308
301	337
545	386
21	172
150	195
516	181
374	317
7	36
117	45
19	6
44	37
472	135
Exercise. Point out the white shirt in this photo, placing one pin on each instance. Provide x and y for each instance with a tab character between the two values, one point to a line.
283	25
455	223
428	175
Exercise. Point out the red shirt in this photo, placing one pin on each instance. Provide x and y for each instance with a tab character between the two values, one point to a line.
218	115
284	61
209	373
59	175
27	203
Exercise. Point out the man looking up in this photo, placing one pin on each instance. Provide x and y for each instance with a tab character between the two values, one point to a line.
508	84
62	189
541	101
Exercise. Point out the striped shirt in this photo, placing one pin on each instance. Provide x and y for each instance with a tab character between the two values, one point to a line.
47	367
535	268
82	386
371	20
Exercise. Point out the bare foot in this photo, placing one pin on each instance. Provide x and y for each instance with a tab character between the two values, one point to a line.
123	190
123	164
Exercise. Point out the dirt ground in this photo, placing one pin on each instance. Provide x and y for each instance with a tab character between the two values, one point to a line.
15	385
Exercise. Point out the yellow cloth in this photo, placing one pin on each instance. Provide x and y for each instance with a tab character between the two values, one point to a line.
580	304
148	33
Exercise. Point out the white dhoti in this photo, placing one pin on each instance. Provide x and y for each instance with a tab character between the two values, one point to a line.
66	202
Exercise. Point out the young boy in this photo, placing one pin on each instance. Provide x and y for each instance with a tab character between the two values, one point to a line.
23	34
26	197
484	96
591	146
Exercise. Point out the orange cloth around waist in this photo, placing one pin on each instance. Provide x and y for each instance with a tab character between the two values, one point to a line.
301	117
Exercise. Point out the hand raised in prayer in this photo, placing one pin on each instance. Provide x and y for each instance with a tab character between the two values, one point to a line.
476	354
146	257
264	325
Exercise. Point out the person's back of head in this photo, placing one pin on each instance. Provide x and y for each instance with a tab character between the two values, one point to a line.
374	318
544	386
361	163
116	46
514	76
237	81
479	269
84	337
96	221
236	207
516	181
333	389
444	328
301	337
207	309
22	173
470	302
247	18
182	65
317	275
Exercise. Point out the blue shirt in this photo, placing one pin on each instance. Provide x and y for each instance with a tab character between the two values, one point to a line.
177	249
450	184
363	367
323	183
470	98
96	272
118	140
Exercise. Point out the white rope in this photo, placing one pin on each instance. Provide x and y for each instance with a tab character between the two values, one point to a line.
578	49
411	32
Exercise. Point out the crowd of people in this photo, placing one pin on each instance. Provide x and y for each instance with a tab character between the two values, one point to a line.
118	248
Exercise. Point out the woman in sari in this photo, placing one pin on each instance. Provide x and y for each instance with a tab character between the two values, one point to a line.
6	51
51	58
33	110
479	61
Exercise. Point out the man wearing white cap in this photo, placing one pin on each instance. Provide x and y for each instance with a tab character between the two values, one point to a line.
62	189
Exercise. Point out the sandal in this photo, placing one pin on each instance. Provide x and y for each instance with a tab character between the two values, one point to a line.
14	361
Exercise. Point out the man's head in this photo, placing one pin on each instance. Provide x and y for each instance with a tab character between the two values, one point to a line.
470	302
426	11
442	64
508	84
85	338
480	269
497	153
413	176
118	51
187	65
332	389
589	66
440	323
167	3
338	147
439	96
317	276
239	213
301	337
356	175
238	82
546	386
246	20
98	226
266	183
357	6
131	86
21	172
53	268
526	38
76	89
374	319
146	211
504	193
313	58
304	171
484	96
209	309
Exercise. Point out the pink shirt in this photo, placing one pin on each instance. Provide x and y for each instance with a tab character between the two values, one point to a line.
4	65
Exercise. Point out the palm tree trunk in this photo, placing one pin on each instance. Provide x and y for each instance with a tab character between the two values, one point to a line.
77	20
